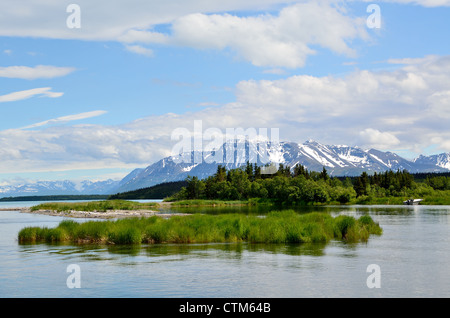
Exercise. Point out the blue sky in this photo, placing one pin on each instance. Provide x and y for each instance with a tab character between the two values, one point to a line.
98	101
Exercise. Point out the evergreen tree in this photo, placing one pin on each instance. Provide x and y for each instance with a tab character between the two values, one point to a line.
221	174
324	174
300	170
249	171
256	172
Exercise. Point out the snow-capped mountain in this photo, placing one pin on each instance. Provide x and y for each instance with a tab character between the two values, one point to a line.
345	160
442	160
65	187
338	160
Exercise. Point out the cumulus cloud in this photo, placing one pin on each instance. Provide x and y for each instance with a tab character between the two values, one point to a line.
264	40
282	39
274	40
374	138
31	73
15	96
120	20
107	20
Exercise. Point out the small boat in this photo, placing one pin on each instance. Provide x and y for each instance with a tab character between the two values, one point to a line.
413	201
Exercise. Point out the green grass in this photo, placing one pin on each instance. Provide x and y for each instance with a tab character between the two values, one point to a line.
99	206
276	227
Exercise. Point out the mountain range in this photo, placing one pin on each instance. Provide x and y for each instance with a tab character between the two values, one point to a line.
65	187
339	160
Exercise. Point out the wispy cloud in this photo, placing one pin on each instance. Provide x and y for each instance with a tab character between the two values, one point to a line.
31	73
413	61
140	50
65	119
20	95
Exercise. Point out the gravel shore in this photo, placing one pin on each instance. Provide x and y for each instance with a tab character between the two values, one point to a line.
114	214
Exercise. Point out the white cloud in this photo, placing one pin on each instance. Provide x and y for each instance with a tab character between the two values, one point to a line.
373	138
117	19
143	36
274	40
65	119
140	50
284	40
15	96
439	104
107	20
413	61
31	73
410	103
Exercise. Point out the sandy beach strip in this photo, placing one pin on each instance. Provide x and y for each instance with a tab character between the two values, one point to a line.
113	214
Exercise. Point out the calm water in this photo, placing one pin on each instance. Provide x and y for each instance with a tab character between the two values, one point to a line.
413	254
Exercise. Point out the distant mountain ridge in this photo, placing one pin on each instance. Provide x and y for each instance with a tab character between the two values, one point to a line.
339	160
442	160
66	187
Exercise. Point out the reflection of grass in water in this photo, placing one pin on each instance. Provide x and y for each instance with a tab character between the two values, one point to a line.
244	209
275	227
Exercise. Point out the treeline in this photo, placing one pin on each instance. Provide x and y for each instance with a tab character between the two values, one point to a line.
159	191
298	186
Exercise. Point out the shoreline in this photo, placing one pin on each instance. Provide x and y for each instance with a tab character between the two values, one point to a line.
113	214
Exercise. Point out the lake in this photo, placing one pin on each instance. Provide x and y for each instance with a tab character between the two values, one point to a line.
412	255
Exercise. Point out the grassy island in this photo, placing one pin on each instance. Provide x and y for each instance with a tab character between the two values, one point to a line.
97	206
275	227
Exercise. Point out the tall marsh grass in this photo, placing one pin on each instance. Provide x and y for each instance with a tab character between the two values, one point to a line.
276	227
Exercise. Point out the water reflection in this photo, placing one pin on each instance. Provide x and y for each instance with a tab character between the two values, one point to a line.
248	210
228	250
357	210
